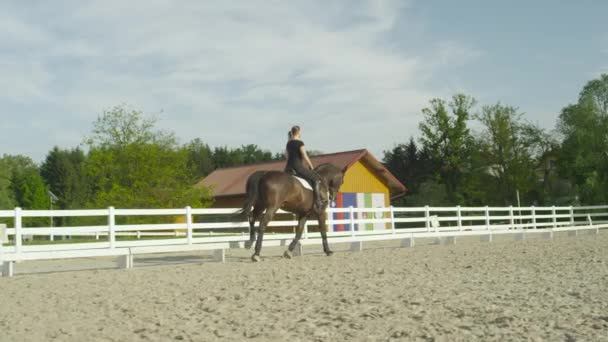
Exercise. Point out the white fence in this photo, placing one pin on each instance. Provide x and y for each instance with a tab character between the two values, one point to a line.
216	229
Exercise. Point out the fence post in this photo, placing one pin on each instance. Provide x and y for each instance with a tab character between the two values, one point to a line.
3	234
459	217
18	232
554	218
330	220
487	218
427	218
189	224
52	237
3	237
352	220
111	226
392	214
572	216
533	217
511	218
305	235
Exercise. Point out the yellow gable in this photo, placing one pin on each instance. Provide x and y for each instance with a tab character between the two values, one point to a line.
359	178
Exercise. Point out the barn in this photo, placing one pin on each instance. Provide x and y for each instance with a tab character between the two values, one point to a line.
367	182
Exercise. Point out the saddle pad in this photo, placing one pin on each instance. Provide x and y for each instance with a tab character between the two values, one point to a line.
304	183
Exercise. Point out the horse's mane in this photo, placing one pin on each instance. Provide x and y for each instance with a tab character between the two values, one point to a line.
326	167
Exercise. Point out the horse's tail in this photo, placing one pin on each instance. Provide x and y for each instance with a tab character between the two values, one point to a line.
252	189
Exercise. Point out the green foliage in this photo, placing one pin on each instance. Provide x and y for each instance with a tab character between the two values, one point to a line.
7	199
447	139
121	126
63	172
143	176
584	126
28	189
246	154
252	154
410	165
431	193
509	151
133	166
20	184
200	158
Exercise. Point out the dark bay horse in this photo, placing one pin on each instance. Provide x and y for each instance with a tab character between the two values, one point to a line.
269	191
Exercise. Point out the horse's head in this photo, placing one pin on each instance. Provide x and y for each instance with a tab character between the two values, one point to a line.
332	177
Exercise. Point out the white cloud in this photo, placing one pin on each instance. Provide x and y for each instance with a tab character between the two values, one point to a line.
230	73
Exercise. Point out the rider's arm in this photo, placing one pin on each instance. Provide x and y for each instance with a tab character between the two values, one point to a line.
305	156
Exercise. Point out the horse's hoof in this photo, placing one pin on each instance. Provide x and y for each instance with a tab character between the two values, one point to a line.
287	255
248	244
256	258
329	253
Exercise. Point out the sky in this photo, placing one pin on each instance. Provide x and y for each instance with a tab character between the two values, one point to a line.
353	74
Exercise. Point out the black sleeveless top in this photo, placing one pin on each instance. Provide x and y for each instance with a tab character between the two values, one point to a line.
294	159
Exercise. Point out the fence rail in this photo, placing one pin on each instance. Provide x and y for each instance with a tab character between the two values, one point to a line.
221	228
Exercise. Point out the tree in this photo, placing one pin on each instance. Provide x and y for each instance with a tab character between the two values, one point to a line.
447	138
11	165
510	151
63	171
134	166
410	165
246	154
430	192
200	158
29	189
584	126
226	157
121	126
251	154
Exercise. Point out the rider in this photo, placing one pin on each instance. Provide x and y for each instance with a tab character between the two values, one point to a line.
299	164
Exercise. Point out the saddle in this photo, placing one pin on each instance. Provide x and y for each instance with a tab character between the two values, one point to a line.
304	182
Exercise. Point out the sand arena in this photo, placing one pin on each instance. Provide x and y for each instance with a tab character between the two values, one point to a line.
535	290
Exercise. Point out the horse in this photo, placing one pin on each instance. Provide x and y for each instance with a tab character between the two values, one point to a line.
269	191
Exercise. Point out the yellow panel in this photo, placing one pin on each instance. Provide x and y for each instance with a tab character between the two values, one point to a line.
359	178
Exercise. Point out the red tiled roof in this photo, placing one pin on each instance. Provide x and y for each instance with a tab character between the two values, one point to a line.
231	181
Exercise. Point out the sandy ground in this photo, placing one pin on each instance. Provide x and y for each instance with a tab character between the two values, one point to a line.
506	290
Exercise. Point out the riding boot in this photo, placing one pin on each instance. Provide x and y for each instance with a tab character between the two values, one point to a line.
316	194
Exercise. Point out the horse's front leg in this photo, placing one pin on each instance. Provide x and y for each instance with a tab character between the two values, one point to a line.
301	222
322	217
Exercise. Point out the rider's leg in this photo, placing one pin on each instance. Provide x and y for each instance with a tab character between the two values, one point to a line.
315	181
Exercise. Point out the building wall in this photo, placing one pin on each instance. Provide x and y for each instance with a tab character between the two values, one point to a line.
229	202
359	178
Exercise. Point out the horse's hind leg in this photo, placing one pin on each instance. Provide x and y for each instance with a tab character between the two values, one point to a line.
254	216
263	223
294	243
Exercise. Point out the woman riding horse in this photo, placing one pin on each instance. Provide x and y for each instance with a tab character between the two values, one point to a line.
300	165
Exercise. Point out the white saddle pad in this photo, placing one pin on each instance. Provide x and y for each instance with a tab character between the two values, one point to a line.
304	183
